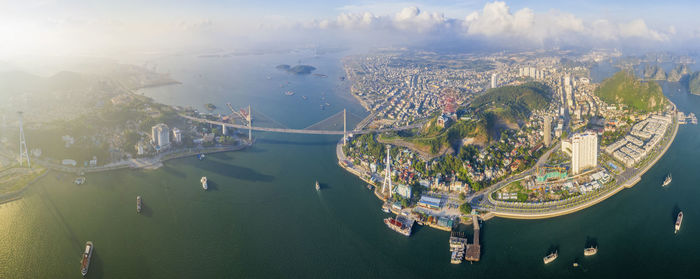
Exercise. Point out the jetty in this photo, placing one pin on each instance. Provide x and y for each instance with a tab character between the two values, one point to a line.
474	249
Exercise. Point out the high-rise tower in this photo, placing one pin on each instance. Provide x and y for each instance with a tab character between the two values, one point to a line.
387	174
23	152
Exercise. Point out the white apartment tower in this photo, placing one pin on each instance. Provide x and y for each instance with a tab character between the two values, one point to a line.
547	130
584	151
494	80
160	135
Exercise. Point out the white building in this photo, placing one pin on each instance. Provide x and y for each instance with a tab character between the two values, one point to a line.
177	135
584	151
404	191
547	130
160	135
494	80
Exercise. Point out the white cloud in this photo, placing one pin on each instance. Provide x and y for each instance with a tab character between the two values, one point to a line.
411	18
496	20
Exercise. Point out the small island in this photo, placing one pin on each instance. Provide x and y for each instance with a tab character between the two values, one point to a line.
296	70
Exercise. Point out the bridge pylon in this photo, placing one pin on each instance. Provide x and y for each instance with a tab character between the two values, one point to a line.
250	124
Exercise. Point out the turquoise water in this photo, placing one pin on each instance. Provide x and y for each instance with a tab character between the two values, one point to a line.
262	217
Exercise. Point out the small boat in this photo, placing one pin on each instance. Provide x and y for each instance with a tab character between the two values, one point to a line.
590	251
318	186
551	257
80	180
304	97
289	93
386	209
370	187
204	183
85	260
575	264
201	156
667	180
138	204
679	220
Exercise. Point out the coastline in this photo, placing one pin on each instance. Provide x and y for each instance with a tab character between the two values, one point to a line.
588	203
513	215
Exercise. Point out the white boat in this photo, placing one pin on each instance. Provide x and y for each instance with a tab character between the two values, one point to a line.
85	259
318	186
667	181
590	251
551	257
679	221
204	183
138	204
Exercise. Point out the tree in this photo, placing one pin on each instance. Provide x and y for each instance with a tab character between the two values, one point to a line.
461	196
465	208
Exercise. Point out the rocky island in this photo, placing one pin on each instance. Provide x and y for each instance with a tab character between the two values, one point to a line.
296	70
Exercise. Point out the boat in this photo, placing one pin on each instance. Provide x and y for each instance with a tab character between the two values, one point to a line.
85	261
551	257
138	204
590	251
667	180
80	180
204	183
289	93
201	156
385	208
318	186
403	226
679	220
304	97
370	187
575	264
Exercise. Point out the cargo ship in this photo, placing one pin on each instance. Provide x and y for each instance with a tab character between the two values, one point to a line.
667	181
138	204
590	251
318	186
679	220
401	226
85	261
551	257
204	183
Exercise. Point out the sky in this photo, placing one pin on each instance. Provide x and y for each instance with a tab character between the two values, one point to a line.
110	28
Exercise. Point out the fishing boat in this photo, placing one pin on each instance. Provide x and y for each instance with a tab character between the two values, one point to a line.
679	221
590	251
318	186
667	180
551	257
85	259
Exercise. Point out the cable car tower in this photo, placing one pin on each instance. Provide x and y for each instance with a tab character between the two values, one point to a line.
23	152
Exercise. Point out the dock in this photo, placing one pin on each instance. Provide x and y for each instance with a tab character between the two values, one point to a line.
474	249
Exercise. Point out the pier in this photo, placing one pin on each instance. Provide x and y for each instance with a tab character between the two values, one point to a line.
474	249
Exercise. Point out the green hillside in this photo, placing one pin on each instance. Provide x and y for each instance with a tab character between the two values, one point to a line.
624	88
514	103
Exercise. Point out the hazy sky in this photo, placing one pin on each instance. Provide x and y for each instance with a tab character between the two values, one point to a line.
84	27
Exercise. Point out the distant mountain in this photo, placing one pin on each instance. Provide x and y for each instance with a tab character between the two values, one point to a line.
694	83
678	73
624	88
654	72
